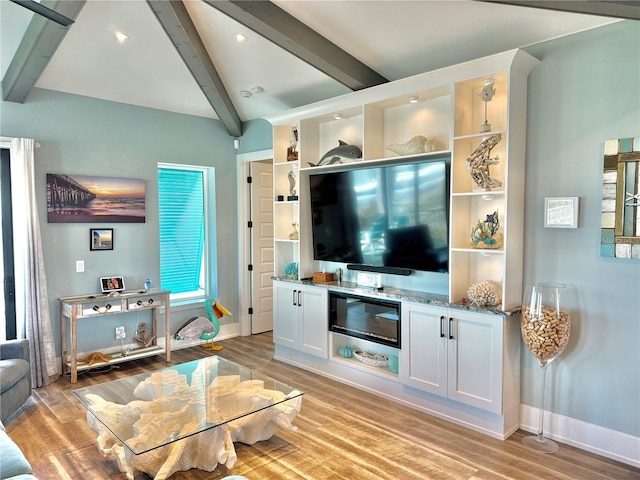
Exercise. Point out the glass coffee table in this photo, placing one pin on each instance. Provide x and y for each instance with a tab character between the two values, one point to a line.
186	416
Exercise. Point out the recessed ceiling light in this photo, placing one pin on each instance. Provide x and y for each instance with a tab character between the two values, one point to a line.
337	116
245	93
121	36
257	90
240	37
413	99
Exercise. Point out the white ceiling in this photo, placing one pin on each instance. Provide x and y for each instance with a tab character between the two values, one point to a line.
395	38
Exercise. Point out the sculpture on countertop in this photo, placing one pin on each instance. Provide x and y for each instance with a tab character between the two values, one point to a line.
480	160
342	153
484	294
418	144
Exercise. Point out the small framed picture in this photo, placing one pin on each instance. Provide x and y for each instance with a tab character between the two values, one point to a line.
112	284
101	239
561	212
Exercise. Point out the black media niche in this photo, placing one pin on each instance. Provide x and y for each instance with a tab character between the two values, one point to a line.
363	317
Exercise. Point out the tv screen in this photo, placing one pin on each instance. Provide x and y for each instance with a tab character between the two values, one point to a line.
387	216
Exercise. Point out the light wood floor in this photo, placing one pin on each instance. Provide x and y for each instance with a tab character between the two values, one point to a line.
343	434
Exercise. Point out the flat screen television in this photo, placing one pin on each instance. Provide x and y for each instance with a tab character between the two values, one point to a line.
391	218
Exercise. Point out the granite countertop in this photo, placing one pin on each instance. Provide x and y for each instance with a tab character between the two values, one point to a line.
398	294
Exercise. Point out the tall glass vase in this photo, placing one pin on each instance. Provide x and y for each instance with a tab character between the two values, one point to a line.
545	325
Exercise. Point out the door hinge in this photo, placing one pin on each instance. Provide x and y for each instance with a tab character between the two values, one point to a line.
249	179
250	224
250	310
250	268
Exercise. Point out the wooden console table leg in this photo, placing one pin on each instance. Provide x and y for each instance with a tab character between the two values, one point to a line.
74	347
167	323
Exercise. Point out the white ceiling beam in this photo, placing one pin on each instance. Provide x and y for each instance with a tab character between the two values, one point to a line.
626	9
284	30
40	41
179	27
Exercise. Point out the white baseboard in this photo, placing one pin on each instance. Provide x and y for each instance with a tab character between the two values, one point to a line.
586	436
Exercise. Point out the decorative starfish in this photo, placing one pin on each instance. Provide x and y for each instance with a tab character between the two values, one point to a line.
95	357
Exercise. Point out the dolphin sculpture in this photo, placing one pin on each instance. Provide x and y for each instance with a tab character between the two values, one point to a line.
342	152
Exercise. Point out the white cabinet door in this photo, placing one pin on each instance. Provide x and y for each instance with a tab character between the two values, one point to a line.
300	316
424	348
314	329
475	359
285	314
454	353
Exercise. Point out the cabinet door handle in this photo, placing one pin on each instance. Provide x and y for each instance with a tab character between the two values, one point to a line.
299	298
294	298
451	328
442	326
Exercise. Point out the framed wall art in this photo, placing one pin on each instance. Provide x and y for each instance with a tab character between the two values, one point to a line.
89	199
561	212
100	239
620	218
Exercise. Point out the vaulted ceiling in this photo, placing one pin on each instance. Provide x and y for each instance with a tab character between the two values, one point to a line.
182	56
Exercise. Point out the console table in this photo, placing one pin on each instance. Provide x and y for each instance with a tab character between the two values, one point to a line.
87	306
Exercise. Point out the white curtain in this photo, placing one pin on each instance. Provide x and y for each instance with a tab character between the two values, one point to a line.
32	304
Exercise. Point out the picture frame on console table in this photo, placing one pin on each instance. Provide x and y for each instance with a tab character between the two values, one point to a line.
113	284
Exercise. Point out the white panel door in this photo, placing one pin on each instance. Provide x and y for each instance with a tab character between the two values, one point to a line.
262	247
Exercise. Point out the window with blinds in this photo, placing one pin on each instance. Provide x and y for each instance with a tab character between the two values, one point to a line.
182	200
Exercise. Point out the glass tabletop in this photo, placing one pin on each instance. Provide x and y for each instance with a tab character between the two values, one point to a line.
153	409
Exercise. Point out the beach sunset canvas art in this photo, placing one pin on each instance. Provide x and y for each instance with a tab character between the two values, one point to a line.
88	199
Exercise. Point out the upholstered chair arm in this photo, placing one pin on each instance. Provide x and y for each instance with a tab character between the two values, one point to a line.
14	349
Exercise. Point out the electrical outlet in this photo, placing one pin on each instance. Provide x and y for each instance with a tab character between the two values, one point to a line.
120	333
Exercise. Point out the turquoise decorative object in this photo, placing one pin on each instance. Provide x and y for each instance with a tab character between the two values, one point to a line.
291	270
393	363
486	234
345	351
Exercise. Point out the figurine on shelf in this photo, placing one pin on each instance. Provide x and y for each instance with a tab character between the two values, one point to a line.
341	154
418	144
292	151
294	234
142	339
479	161
486	234
486	94
292	186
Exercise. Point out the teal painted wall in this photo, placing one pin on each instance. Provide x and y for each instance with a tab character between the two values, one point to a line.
85	136
585	91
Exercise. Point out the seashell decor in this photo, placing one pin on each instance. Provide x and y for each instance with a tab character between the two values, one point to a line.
418	144
487	293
